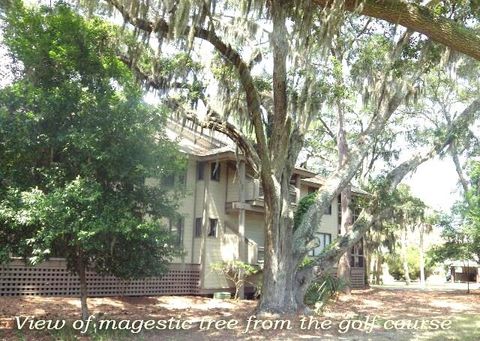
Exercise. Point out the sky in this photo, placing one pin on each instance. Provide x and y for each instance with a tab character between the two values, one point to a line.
436	183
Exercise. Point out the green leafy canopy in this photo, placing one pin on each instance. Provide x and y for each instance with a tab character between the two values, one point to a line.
77	146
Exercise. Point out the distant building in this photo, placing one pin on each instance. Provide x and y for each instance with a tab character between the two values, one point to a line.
463	271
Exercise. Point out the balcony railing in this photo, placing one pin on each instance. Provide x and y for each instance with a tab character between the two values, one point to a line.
292	193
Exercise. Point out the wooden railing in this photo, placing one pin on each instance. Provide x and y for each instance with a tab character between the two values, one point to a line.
292	193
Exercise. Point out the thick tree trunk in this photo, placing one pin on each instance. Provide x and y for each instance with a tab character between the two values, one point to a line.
278	295
83	286
343	271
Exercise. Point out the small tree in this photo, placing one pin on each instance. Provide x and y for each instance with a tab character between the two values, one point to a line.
77	147
461	229
236	272
461	232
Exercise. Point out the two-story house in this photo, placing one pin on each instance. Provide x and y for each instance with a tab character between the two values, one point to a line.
223	209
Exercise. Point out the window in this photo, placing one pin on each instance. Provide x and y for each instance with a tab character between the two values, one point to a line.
172	180
198	227
168	180
328	210
176	229
182	179
215	171
356	255
200	170
311	190
212	230
323	239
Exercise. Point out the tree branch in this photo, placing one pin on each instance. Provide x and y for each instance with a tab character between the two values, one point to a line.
460	124
150	80
230	54
393	179
420	19
328	259
328	130
214	121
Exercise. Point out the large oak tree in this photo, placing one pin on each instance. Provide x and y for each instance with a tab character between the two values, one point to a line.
268	110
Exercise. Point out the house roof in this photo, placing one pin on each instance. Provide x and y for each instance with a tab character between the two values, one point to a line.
197	141
207	144
462	263
318	180
211	145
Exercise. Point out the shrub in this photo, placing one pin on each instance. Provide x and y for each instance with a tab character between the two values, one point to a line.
323	290
236	272
395	264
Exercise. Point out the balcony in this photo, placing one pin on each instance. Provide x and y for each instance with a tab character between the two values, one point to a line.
254	198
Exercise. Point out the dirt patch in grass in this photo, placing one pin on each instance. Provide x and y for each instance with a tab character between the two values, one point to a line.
362	306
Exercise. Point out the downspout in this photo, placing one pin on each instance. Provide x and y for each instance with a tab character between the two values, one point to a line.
194	211
242	253
206	184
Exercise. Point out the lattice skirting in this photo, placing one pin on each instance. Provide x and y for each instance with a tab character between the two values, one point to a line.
357	278
51	278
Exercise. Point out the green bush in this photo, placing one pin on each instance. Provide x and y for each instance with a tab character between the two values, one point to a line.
236	272
395	264
323	290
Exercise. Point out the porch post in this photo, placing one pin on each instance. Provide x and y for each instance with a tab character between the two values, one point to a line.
242	253
205	221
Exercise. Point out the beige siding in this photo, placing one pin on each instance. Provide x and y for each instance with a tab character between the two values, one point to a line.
233	186
224	246
255	228
186	210
329	222
303	190
212	279
199	193
211	201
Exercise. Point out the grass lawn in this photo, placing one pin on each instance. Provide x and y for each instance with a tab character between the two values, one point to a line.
373	314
